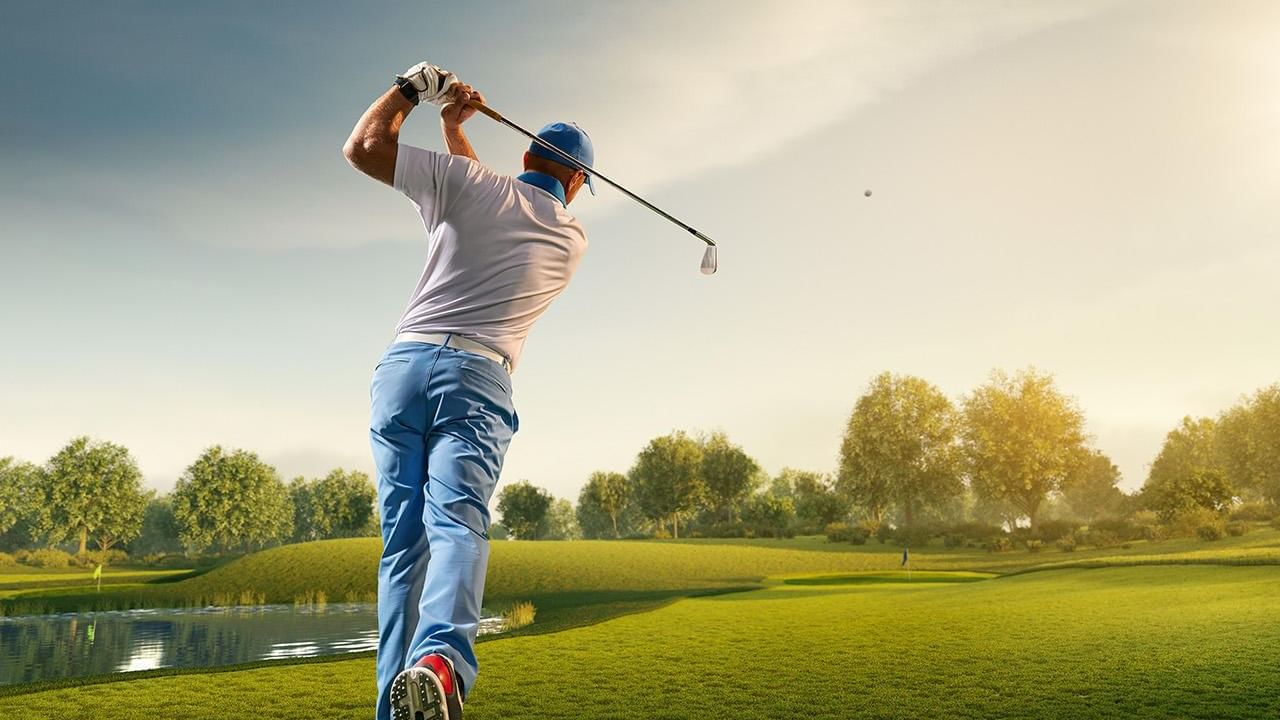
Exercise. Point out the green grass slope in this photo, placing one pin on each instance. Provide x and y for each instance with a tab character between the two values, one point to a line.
557	574
1156	642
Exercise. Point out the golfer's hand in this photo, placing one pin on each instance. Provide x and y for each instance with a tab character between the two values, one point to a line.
459	111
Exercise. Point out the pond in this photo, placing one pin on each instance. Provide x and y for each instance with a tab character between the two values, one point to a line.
48	647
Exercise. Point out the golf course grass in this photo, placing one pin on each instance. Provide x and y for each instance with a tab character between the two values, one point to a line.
1190	641
556	574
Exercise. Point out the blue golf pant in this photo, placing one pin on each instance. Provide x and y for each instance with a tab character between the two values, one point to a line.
442	420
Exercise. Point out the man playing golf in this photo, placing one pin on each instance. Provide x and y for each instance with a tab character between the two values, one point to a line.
500	249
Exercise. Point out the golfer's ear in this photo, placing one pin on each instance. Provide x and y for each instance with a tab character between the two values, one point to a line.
528	156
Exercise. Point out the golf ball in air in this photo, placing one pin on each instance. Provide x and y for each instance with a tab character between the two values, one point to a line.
867	193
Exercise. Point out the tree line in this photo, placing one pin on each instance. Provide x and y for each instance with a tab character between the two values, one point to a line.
90	493
1008	455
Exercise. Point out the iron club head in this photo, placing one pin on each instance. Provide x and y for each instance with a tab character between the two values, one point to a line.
709	261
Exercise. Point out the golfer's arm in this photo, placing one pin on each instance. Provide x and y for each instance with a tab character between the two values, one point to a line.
457	141
371	149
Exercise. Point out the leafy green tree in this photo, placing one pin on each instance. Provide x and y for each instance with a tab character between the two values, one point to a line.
524	507
159	529
1093	491
900	448
92	489
341	504
780	485
768	514
1023	439
817	504
727	473
666	478
1188	472
560	522
607	494
19	486
1248	445
231	500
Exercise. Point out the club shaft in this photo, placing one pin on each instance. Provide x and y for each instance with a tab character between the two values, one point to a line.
573	162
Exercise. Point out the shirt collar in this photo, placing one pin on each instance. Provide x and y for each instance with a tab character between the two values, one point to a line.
544	182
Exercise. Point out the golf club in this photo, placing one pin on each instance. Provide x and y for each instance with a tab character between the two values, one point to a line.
710	262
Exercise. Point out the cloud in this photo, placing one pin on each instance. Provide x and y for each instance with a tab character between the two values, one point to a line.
678	90
668	91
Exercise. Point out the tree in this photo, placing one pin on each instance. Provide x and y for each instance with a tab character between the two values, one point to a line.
900	448
606	493
92	489
1188	473
560	522
523	508
666	478
817	504
780	485
1248	445
159	529
727	473
1023	439
230	500
768	514
341	504
19	485
1093	490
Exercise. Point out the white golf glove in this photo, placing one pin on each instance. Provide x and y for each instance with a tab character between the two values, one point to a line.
425	82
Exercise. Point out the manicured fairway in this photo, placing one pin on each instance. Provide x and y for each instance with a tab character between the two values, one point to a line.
1184	641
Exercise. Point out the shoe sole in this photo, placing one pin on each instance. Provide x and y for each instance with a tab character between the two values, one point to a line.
416	694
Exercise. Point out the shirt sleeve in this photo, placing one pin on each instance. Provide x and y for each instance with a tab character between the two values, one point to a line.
435	182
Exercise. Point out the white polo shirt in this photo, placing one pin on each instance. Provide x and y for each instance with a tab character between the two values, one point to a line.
499	250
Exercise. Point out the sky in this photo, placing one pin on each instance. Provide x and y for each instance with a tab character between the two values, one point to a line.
1091	188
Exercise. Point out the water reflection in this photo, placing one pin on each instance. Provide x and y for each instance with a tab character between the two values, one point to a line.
75	645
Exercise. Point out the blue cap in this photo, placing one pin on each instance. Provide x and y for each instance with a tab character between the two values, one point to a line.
570	139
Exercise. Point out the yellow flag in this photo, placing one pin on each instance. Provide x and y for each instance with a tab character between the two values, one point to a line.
97	572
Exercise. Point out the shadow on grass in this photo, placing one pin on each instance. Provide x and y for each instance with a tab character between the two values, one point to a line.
915	578
564	611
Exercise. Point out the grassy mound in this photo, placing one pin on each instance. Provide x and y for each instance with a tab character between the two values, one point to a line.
1111	643
575	573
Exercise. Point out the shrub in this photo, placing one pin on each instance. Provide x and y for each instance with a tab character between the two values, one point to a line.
953	541
836	532
840	532
772	532
48	558
1102	538
914	537
1188	523
885	533
975	531
1236	529
1034	545
1000	543
1067	544
1210	532
1116	528
728	530
1051	530
7	560
94	558
1253	512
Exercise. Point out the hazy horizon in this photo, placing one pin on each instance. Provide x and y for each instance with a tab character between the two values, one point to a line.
1089	188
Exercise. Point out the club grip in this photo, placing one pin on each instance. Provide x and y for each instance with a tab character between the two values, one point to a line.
485	109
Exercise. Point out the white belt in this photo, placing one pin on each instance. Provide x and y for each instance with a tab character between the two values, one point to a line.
457	342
